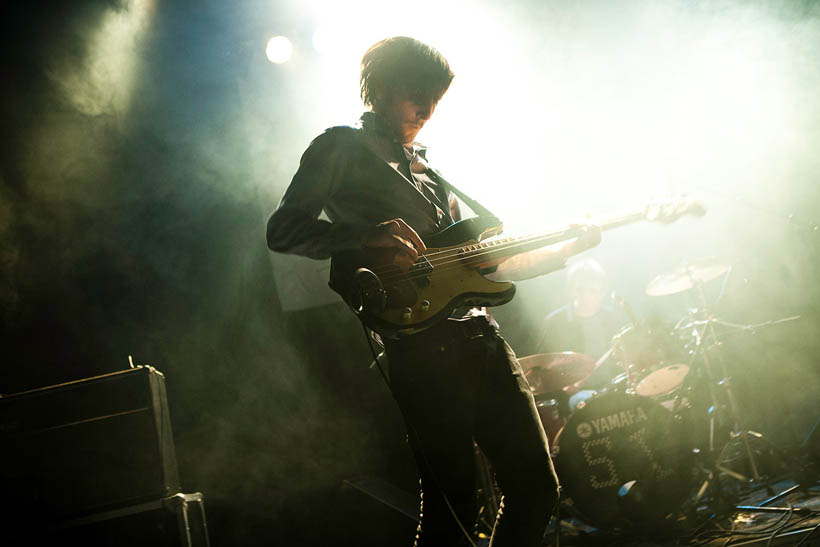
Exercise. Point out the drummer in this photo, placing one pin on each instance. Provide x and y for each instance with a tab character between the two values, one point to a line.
585	325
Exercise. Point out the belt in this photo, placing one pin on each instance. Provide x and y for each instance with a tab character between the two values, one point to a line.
445	334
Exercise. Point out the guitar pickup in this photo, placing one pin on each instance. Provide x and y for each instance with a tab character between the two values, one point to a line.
419	271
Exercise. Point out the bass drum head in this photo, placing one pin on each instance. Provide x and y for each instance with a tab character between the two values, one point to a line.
623	462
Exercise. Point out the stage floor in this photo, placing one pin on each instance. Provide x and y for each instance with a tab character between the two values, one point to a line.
790	520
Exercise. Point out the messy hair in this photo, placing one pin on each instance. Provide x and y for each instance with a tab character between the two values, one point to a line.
403	67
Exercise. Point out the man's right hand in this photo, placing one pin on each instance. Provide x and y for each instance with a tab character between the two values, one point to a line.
398	235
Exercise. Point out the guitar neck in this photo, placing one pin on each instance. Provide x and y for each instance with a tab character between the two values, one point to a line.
500	249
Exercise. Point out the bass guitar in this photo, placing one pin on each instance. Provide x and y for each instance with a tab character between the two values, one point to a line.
448	275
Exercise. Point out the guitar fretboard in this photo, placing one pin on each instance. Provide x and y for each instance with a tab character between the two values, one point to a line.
500	248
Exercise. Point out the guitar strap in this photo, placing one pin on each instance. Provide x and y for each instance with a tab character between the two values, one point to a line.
477	208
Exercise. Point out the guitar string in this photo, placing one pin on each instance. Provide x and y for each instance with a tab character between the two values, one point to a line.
612	222
532	235
446	266
465	251
462	250
461	255
443	265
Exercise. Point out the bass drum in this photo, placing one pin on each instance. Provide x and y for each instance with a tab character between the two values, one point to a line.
623	462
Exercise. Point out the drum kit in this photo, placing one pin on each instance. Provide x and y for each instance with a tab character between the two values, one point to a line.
626	457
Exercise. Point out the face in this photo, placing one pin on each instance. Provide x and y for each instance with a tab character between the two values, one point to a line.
407	116
587	299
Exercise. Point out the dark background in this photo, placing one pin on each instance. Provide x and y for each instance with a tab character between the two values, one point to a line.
138	229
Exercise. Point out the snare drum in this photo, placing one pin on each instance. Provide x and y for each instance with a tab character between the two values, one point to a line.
663	382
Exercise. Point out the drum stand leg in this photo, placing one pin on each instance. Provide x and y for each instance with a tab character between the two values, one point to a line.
720	501
738	435
807	476
739	432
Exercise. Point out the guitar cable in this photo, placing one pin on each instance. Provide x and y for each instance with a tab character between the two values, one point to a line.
412	431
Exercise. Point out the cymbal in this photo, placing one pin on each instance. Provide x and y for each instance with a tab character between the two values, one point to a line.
687	276
547	372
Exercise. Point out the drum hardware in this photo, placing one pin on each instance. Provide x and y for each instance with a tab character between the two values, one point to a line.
706	356
577	386
645	347
591	453
707	346
551	372
688	276
629	378
803	483
738	328
619	349
614	477
693	276
619	383
551	377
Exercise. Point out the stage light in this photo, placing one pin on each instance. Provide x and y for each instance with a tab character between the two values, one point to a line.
279	50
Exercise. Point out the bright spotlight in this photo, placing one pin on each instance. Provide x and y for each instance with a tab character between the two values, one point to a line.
278	50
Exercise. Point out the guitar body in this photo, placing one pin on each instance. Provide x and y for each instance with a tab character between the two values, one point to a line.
438	283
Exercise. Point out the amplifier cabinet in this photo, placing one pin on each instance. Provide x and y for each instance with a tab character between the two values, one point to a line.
175	521
82	446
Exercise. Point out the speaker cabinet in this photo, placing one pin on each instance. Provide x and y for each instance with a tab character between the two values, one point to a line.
176	521
82	446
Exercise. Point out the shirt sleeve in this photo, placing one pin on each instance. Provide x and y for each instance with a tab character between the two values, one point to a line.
295	227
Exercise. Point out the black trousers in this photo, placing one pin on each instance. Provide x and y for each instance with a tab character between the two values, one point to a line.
454	388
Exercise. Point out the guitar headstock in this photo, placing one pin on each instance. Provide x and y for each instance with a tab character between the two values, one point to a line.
671	208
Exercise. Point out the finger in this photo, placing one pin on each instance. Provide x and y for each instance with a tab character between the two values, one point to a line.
407	232
405	247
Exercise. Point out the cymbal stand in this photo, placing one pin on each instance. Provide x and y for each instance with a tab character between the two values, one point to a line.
619	349
717	376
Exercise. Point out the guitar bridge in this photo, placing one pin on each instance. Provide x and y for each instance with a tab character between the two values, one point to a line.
419	271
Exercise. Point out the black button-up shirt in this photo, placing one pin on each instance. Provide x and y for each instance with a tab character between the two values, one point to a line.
360	176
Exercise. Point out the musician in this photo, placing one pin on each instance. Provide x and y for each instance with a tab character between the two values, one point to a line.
457	381
584	325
